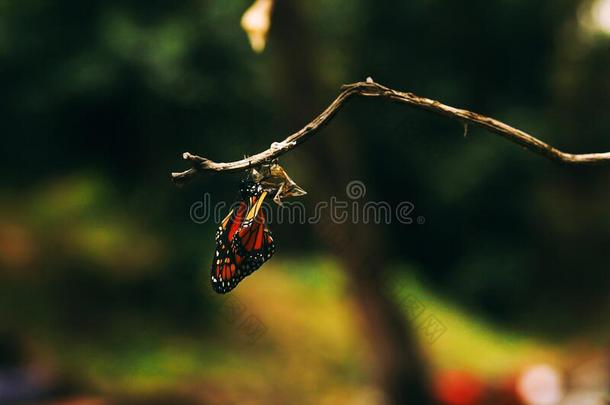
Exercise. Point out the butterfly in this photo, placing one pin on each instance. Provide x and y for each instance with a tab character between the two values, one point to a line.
243	239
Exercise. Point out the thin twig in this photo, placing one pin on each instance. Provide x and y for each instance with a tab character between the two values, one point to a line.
372	89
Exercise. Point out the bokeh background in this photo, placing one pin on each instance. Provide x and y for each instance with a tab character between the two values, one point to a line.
500	296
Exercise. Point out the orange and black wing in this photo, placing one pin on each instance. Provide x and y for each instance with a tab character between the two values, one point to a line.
253	241
225	272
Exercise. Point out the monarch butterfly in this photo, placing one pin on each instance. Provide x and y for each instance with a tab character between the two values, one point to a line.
243	240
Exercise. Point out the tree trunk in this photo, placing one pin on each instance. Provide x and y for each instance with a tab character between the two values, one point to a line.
399	367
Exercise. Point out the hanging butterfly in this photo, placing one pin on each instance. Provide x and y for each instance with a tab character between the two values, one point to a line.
243	240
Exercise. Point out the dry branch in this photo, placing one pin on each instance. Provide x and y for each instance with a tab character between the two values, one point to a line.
372	89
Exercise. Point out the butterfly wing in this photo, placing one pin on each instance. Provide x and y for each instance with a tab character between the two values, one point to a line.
225	272
253	241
